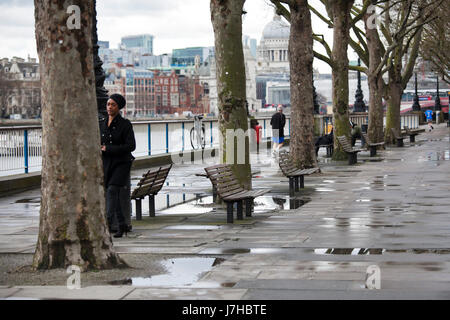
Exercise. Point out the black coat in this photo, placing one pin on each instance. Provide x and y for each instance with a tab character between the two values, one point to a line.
120	142
277	122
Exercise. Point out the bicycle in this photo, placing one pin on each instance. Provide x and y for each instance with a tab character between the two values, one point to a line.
198	138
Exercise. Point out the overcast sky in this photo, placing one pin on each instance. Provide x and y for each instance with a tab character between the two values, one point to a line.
174	24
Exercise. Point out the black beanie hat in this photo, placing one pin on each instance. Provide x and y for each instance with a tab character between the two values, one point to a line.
119	99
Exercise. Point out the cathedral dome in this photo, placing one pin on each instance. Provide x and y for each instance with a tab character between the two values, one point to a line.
276	29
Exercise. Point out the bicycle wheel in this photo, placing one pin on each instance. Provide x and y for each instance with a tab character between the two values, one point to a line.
193	139
203	137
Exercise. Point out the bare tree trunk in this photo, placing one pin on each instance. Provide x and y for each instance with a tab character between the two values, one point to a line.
302	107
376	83
394	99
340	10
226	18
72	229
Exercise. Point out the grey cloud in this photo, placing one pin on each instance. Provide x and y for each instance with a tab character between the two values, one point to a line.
17	3
120	8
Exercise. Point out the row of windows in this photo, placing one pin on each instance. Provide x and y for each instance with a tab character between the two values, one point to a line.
158	89
153	82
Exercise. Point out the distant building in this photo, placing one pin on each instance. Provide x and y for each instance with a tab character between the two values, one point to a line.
148	61
251	43
194	96
207	76
111	56
273	47
20	88
103	44
144	41
187	56
153	92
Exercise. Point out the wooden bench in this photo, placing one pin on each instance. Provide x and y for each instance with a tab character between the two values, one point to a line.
231	191
293	172
351	151
398	137
372	145
149	185
411	133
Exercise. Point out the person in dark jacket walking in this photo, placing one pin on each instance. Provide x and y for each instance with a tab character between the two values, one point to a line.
277	122
118	141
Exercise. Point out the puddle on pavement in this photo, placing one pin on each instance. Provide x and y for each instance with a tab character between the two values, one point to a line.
375	251
197	206
436	156
267	203
372	160
241	250
286	203
29	200
180	272
193	227
324	189
369	200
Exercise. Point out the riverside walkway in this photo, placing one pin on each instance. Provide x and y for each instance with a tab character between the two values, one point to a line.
391	212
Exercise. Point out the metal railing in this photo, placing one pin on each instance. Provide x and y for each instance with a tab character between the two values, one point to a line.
21	146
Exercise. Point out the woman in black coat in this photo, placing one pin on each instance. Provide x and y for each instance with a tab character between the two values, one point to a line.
117	139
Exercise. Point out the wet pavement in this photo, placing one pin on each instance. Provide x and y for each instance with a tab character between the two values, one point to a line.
391	211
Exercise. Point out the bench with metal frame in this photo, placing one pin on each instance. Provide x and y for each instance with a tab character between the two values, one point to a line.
351	151
398	137
293	172
230	190
149	185
372	145
411	133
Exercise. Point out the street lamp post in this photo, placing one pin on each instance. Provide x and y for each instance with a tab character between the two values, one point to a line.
416	105
101	92
359	105
437	101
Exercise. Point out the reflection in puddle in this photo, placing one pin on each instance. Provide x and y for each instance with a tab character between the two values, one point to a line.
287	203
197	206
325	189
376	251
193	227
29	200
436	156
216	251
180	272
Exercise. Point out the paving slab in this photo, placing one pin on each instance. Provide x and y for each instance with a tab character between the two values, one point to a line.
396	207
60	292
186	294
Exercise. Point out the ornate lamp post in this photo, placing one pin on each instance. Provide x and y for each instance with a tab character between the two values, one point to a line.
102	93
416	104
359	105
437	101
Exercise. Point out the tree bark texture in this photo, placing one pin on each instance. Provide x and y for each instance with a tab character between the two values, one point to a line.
376	84
72	229
393	101
226	18
301	55
340	10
